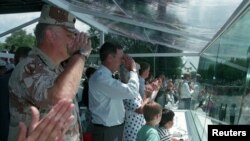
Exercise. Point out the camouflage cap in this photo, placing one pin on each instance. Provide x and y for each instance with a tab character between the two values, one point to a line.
57	16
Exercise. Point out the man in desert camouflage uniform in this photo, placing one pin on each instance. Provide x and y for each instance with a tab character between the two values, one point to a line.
40	80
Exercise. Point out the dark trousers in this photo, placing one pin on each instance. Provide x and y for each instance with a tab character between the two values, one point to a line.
186	103
232	119
103	133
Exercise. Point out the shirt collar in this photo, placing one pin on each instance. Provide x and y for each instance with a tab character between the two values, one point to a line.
45	58
105	69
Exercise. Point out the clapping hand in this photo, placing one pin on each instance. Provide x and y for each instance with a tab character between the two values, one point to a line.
51	127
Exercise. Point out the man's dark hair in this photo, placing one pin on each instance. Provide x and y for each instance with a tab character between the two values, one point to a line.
167	115
89	71
143	66
108	48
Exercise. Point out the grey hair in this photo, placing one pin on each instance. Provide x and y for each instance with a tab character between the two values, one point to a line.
40	32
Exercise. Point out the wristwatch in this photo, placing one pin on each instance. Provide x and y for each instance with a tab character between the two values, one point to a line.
82	52
134	70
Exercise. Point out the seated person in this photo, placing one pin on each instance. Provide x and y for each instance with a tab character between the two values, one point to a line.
167	122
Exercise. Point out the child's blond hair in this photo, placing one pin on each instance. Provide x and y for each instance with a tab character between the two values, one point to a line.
150	110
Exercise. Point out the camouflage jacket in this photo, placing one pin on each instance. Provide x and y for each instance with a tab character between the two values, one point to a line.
28	86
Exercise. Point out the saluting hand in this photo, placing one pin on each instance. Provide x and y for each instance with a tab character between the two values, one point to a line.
129	63
80	42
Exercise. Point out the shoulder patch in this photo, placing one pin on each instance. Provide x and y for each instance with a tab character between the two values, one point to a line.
30	68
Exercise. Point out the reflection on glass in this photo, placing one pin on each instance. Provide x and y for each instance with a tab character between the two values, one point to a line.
174	24
224	68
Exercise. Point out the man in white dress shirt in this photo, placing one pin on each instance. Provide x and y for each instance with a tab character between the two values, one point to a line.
143	74
186	93
106	94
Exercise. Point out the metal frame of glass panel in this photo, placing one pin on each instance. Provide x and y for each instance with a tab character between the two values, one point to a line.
90	16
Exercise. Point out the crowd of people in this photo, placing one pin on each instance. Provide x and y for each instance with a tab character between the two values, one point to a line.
45	82
41	90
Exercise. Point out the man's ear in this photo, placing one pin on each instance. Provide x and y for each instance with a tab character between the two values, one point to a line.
156	116
110	58
159	116
50	34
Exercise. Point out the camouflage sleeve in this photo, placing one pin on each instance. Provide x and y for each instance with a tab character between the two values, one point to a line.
37	79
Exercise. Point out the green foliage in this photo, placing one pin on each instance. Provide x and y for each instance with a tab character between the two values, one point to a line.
223	72
170	66
19	39
228	73
95	39
2	46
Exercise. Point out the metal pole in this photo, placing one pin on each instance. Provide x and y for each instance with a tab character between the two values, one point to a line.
102	37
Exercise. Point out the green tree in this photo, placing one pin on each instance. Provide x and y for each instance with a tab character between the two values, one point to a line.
20	38
2	46
223	72
95	39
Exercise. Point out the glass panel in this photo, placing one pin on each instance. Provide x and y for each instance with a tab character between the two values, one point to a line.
184	24
179	42
30	28
224	68
235	42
